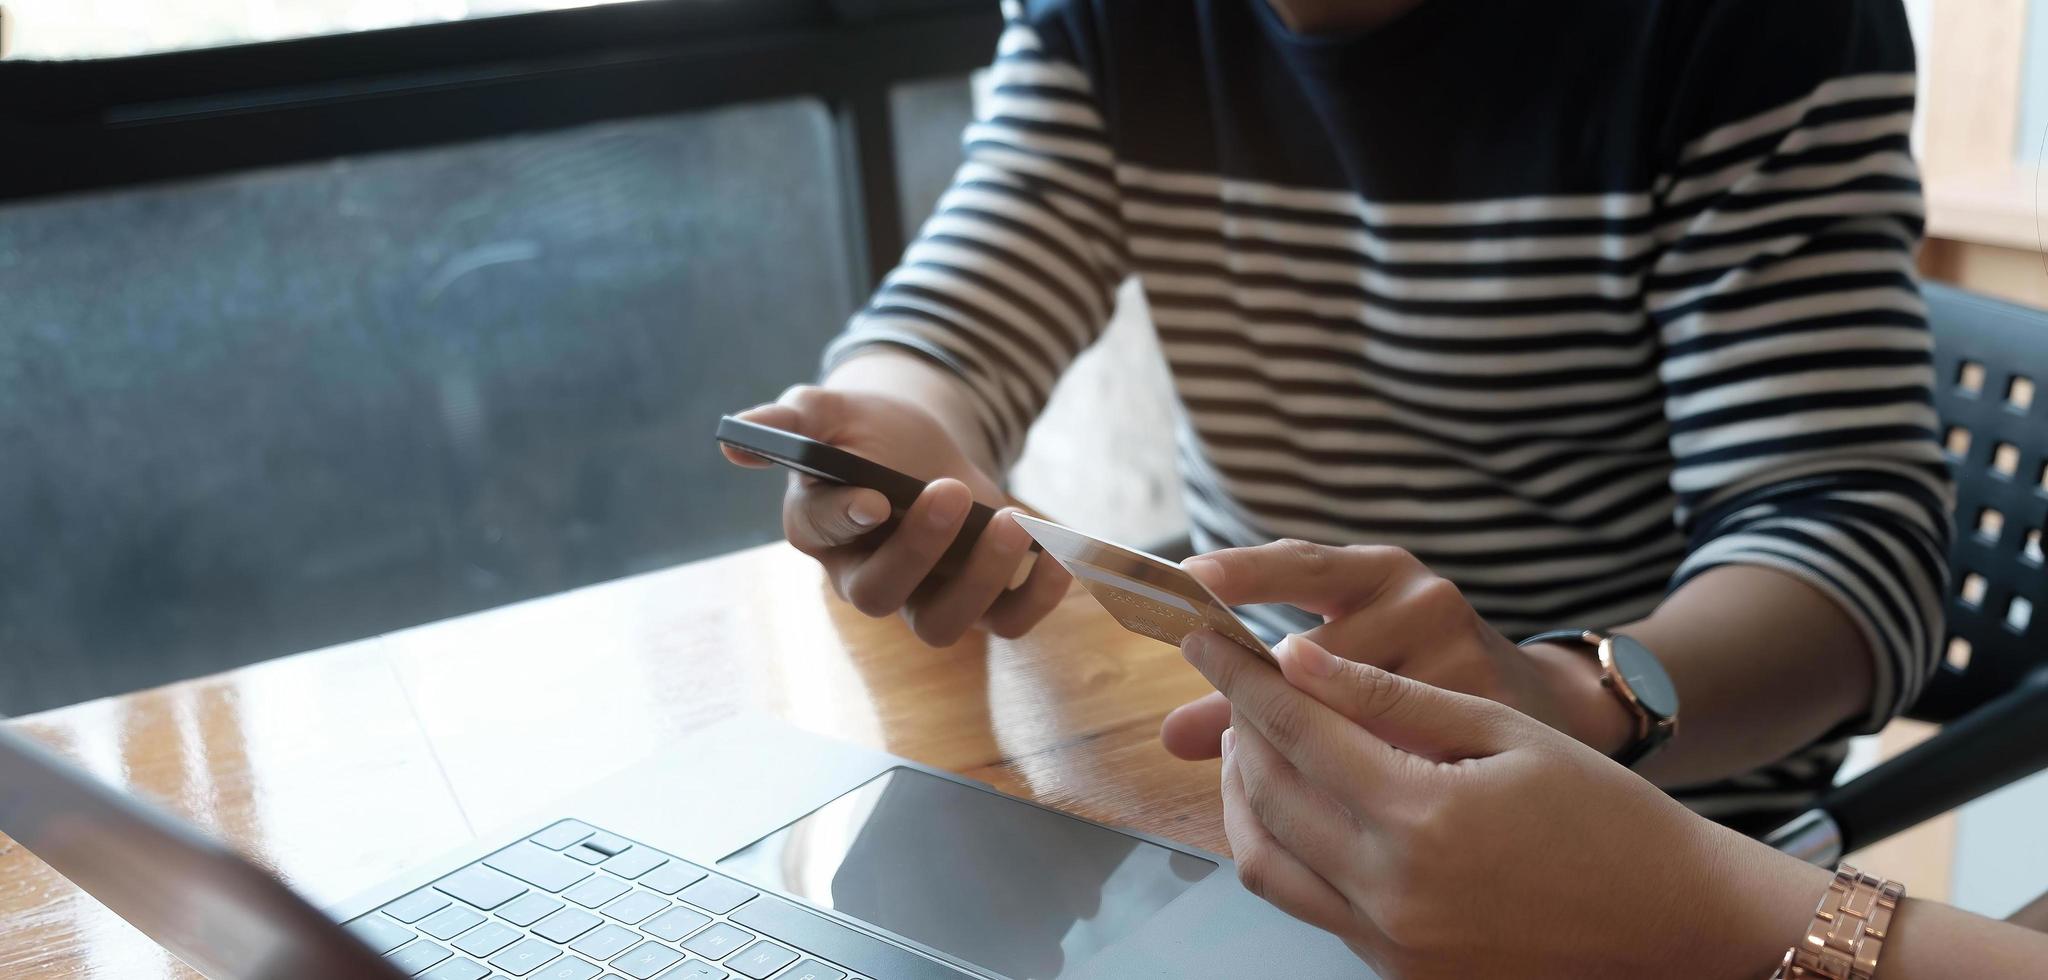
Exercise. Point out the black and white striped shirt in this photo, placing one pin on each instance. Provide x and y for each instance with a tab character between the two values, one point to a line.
1573	300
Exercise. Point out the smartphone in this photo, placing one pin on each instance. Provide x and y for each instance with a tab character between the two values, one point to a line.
1145	593
830	463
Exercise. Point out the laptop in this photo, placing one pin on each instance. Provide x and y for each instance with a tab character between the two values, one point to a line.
750	850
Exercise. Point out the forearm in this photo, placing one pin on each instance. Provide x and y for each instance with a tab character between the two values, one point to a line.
1764	665
897	373
2034	916
1764	900
1932	941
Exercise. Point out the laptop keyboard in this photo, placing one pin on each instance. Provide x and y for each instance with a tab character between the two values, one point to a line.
576	903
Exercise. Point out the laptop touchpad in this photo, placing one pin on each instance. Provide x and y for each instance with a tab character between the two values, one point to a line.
1006	886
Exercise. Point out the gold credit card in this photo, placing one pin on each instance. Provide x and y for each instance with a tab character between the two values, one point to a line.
1146	593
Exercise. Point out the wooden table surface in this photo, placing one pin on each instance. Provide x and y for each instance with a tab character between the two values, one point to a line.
343	767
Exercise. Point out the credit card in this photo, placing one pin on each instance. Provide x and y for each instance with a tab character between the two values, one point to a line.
1149	595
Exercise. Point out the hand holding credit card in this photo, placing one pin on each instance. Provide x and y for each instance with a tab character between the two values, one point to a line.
1147	594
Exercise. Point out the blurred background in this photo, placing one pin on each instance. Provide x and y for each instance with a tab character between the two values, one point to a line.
316	338
324	318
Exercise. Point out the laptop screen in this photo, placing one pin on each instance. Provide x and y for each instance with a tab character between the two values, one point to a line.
208	906
1012	888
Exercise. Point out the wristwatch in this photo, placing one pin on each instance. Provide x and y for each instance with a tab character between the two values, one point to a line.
1633	674
1848	931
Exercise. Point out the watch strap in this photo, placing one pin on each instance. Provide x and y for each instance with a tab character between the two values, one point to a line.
1562	636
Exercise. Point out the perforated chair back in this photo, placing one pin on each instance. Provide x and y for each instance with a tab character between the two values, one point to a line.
1991	693
1991	391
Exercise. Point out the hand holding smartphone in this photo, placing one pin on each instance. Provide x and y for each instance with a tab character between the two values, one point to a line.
827	462
1146	594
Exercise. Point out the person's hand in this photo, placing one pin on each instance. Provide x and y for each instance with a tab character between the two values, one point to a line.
1381	606
882	574
1443	835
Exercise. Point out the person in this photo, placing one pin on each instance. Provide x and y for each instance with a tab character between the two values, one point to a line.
1598	314
1444	835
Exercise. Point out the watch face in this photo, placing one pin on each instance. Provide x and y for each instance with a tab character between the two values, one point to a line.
1644	675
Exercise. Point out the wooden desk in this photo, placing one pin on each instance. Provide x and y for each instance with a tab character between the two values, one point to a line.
340	768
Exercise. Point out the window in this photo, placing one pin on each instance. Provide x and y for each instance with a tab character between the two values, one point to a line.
64	29
341	397
1983	117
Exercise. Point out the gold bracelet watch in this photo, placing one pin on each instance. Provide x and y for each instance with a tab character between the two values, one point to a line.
1848	929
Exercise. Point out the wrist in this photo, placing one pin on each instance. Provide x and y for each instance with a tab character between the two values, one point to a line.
1587	710
1761	901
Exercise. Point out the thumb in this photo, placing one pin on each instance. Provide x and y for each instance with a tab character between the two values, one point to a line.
1428	721
1325	580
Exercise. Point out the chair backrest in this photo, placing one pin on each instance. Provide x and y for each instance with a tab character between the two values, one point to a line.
1991	391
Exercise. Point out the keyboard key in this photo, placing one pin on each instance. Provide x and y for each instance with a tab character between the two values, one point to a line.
646	960
605	942
524	957
714	943
481	887
761	960
421	954
812	970
695	970
417	906
380	933
486	939
587	854
718	895
449	921
630	909
608	843
536	865
675	923
596	891
528	909
567	968
563	834
456	969
565	925
672	877
634	862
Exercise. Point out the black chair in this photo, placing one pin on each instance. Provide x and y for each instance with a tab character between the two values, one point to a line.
1991	693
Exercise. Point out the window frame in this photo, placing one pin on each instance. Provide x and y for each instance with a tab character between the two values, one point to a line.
86	125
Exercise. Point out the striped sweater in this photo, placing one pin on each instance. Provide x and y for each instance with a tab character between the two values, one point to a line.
1573	300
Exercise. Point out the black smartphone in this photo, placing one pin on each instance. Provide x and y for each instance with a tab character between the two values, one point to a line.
827	462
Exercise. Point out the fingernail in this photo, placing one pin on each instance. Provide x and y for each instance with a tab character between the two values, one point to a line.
1314	660
1012	534
1206	569
947	512
1194	645
1229	741
868	512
